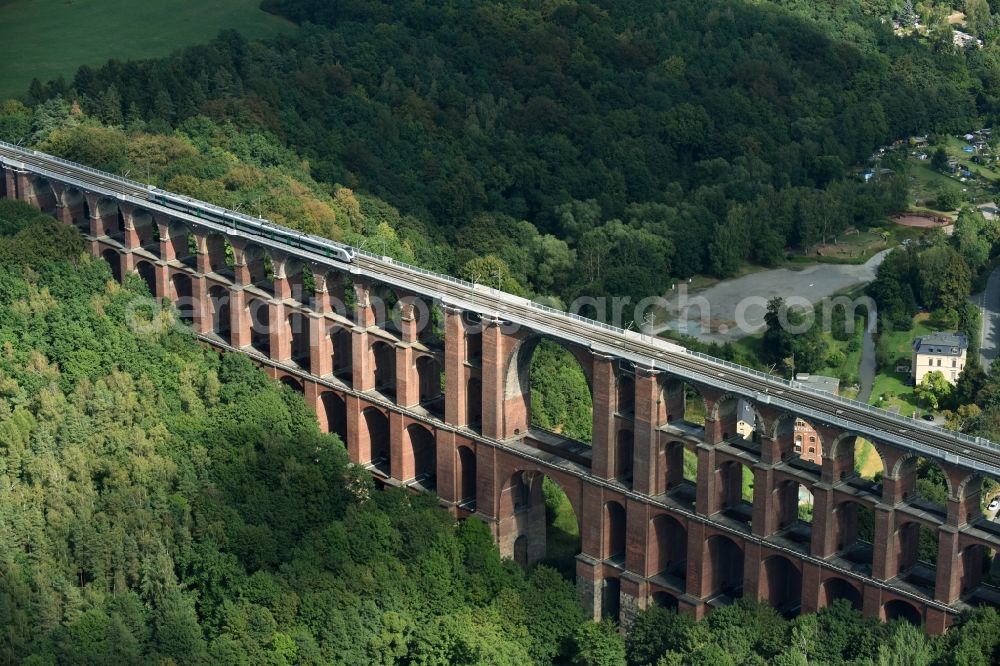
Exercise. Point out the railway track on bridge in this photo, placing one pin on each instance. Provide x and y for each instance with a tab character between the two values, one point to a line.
643	351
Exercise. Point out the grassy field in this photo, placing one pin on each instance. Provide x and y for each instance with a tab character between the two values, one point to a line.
895	392
925	182
854	248
893	389
45	38
954	147
867	461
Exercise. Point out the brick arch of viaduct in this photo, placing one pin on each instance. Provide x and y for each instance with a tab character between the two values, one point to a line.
647	532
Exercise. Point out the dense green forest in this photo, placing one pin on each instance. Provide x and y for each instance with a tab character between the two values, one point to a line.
594	147
165	504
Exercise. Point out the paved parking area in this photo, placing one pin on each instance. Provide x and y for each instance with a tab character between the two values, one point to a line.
734	308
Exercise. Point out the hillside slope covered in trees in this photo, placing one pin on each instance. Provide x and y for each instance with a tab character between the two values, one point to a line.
160	502
600	147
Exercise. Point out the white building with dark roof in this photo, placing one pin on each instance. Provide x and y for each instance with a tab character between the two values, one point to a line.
944	352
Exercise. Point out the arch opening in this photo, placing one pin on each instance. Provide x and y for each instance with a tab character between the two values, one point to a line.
548	388
611	594
975	493
678	465
259	315
374	441
183	296
521	554
423	449
916	548
736	422
342	353
257	269
781	585
868	462
922	483
117	232
429	321
114	262
300	281
858	462
147	272
666	550
979	575
474	403
106	220
45	196
665	600
335	412
145	230
624	453
734	491
854	534
429	381
723	575
184	245
75	202
614	532
386	308
799	442
337	288
897	609
535	507
834	588
748	422
300	343
292	383
220	256
466	473
473	326
384	367
84	222
685	406
218	297
794	504
625	394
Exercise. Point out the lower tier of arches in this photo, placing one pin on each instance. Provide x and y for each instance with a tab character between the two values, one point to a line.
632	551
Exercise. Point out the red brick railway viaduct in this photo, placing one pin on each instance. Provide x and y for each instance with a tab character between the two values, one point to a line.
649	535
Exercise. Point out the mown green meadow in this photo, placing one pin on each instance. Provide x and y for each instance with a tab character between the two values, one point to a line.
47	38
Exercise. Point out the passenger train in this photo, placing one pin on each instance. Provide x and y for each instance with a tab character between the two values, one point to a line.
252	225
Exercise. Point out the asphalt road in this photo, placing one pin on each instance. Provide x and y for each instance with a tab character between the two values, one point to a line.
989	304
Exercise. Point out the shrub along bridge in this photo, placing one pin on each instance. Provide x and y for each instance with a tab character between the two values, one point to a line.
426	379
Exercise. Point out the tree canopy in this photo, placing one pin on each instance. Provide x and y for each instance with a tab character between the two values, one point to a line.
635	145
165	504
